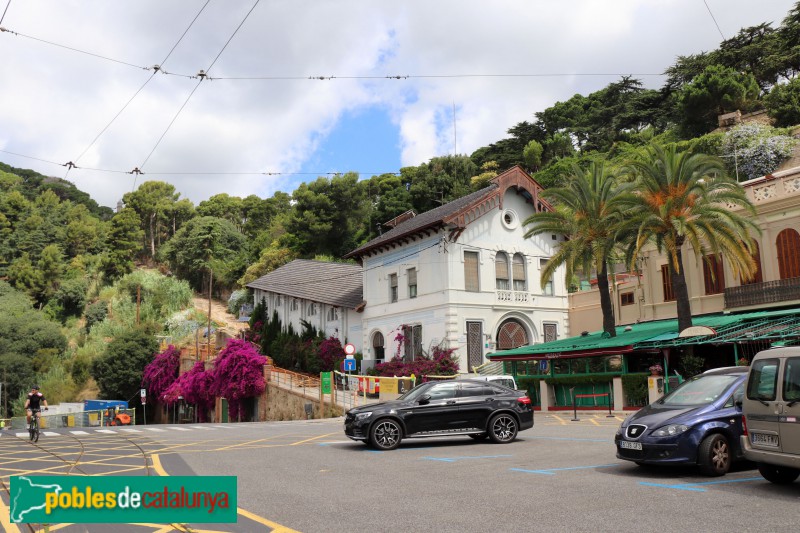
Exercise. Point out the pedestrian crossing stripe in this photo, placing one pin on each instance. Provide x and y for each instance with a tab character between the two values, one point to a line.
155	429
179	429
79	432
130	430
202	427
106	431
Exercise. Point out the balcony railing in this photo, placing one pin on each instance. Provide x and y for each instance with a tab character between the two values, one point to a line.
515	297
768	292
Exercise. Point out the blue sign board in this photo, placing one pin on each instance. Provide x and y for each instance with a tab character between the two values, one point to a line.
349	365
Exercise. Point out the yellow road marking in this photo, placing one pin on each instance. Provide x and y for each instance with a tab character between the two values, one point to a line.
5	519
562	421
247	443
276	528
593	421
312	438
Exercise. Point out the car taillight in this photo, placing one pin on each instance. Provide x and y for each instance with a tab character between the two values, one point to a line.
524	400
744	426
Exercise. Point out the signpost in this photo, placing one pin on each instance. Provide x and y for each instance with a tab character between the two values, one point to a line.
143	394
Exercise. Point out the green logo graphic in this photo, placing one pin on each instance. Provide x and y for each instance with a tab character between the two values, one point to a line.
122	499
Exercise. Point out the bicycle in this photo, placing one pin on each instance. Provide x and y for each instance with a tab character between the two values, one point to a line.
33	427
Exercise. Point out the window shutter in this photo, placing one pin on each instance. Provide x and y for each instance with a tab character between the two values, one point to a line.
471	272
518	272
501	266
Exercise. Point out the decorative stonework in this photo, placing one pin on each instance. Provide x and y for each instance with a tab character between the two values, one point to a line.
792	186
764	193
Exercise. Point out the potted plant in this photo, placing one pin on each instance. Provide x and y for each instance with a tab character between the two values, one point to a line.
656	370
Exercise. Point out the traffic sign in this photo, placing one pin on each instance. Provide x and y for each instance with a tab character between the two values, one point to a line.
143	393
349	365
349	350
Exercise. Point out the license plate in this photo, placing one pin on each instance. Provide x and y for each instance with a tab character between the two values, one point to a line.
763	439
630	445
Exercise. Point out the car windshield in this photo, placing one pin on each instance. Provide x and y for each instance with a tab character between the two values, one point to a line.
699	391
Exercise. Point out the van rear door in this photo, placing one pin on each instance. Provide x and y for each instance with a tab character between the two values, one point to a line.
790	424
764	408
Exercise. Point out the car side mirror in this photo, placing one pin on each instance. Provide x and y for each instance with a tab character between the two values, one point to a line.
738	404
425	398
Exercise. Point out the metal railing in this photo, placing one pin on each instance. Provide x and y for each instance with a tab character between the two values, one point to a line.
99	418
781	290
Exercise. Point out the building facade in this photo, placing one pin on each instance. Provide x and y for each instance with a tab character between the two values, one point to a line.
462	276
326	295
712	286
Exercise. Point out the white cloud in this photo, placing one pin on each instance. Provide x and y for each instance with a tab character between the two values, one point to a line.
54	101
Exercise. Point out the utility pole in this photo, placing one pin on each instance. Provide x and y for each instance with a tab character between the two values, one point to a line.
210	276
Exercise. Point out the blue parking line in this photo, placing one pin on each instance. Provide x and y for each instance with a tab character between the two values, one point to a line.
552	471
696	487
454	459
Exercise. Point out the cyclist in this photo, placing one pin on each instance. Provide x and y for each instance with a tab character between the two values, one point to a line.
32	404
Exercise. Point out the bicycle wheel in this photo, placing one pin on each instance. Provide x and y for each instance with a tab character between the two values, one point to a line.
31	429
36	432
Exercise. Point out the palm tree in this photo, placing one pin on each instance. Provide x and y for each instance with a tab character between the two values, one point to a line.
682	197
587	212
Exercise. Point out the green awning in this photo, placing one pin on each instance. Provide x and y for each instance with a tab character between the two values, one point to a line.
725	328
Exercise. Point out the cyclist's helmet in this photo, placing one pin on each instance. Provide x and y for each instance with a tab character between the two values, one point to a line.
35	387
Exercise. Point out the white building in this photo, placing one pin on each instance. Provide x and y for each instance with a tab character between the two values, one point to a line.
324	294
462	276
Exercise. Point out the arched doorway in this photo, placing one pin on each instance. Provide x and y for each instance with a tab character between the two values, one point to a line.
511	334
377	345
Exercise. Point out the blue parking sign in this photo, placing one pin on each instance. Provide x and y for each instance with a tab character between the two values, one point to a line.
349	364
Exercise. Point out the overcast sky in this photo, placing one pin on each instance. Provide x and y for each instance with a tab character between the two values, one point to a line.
70	67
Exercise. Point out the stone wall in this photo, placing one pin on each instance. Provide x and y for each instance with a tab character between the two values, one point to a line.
282	404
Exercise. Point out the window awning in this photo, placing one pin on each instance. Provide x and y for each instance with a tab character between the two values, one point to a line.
776	326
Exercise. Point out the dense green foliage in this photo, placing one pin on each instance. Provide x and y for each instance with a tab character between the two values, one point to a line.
70	264
118	372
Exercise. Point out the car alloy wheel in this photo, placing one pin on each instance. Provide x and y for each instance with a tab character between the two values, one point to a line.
503	428
714	455
385	434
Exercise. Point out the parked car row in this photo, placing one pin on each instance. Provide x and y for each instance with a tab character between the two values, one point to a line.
713	420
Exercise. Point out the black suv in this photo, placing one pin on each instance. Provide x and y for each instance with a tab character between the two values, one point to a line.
470	407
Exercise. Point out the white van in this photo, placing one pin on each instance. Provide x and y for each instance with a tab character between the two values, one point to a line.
500	379
771	407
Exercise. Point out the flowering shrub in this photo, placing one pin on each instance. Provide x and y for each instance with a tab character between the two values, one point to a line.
755	150
440	363
743	362
656	369
238	374
161	372
330	353
196	387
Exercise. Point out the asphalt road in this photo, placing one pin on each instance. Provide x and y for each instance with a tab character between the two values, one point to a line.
559	476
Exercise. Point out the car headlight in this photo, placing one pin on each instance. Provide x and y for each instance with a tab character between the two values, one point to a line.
363	416
670	430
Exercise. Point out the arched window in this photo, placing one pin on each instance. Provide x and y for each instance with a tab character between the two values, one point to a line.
757	277
511	335
788	244
501	271
518	273
377	345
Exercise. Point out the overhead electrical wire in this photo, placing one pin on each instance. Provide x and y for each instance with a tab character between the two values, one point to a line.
715	20
156	68
5	11
202	76
137	171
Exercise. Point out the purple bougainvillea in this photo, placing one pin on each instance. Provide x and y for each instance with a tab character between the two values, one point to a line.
440	363
160	374
238	374
196	387
330	353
